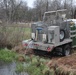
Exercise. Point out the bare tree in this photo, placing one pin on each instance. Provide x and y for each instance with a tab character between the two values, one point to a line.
41	6
12	10
17	10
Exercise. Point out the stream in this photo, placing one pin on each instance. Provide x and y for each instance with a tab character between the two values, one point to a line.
9	69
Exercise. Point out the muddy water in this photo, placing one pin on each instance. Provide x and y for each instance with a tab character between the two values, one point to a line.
9	69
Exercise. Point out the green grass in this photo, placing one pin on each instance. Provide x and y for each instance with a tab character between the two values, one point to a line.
7	55
27	33
34	65
18	31
20	67
37	66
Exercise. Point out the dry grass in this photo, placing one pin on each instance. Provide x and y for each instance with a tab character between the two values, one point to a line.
12	35
64	65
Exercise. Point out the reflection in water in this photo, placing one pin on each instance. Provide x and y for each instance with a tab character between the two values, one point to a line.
9	69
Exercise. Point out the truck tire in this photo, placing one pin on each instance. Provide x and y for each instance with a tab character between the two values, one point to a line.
62	35
66	50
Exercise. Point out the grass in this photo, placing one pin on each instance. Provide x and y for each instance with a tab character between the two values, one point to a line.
27	34
34	66
37	66
20	67
7	55
18	31
14	35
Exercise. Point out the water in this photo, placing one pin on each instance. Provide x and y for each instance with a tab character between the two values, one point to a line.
9	69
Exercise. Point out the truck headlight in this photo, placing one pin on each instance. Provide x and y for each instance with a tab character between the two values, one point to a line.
33	35
44	37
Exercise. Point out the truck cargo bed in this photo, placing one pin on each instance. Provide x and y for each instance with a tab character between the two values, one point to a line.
44	46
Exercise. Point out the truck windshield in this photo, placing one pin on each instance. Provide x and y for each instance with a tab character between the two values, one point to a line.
53	17
50	18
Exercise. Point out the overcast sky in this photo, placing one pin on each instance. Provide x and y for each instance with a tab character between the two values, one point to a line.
30	2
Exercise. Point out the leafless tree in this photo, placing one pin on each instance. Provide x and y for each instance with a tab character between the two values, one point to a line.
17	10
12	10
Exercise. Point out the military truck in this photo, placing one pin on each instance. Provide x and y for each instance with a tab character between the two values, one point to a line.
55	33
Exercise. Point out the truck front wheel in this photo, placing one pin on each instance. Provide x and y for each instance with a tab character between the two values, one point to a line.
66	50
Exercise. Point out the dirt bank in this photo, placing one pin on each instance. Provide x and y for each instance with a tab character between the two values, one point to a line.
64	65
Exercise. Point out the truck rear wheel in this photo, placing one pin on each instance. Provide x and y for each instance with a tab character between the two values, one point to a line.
62	35
66	50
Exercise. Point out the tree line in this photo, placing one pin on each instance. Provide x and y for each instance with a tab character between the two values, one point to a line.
18	10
